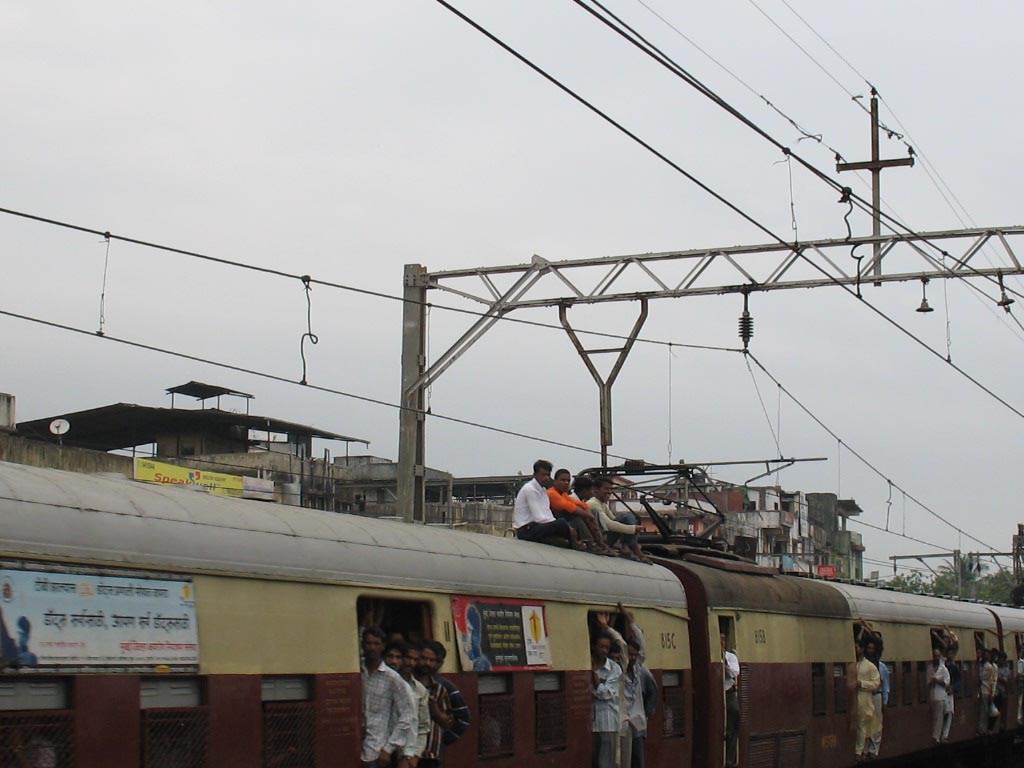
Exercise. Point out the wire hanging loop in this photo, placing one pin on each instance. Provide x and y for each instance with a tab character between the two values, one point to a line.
103	287
313	338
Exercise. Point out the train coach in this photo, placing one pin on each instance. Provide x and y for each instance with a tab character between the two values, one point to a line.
154	626
795	638
146	626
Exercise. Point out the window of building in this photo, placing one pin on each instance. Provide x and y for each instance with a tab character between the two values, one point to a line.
497	716
551	724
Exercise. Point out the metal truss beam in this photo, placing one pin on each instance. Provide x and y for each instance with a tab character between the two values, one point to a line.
716	271
772	267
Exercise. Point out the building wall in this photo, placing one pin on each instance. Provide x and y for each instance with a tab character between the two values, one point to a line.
19	450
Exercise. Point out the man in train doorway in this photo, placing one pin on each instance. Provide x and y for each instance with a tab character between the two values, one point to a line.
389	711
873	653
606	679
730	679
865	683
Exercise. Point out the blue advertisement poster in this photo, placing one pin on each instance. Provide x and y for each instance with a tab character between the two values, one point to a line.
52	619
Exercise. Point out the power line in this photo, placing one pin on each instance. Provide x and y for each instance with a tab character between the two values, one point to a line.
307	279
902	535
929	168
631	35
838	155
285	380
747	217
864	461
806	134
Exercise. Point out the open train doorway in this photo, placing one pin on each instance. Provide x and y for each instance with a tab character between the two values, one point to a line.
731	682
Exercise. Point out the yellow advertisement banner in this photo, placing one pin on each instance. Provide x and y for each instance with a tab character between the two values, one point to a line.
149	471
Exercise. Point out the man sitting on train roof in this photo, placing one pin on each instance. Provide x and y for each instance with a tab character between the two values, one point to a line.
622	528
532	518
577	514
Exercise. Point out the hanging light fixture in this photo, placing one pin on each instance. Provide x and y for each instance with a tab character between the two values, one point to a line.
1004	300
924	297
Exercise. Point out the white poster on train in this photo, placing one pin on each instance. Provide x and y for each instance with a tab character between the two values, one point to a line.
50	619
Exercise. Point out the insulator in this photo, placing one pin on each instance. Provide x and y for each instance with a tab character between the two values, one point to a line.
746	328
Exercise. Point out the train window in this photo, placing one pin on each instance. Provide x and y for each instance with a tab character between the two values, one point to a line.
839	692
174	722
893	698
33	694
289	721
285	688
408	618
497	716
819	695
979	643
922	682
967	680
165	692
673	695
35	729
907	675
551	723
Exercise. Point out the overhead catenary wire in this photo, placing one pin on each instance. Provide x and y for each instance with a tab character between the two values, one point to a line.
339	286
796	401
804	133
285	380
702	185
928	167
628	33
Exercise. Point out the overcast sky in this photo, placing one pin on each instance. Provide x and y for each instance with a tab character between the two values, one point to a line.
348	139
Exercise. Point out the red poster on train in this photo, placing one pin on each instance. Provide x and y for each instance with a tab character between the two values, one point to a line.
496	635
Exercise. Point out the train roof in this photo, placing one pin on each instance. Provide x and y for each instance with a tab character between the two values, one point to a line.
727	587
92	519
872	603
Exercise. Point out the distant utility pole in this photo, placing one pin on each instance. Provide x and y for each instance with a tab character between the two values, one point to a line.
875	165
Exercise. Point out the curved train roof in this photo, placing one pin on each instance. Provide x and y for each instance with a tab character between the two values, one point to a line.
889	605
99	519
726	588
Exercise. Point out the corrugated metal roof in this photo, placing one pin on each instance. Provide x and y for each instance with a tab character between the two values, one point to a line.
89	518
888	605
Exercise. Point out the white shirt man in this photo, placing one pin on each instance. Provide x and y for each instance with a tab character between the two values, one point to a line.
532	518
939	682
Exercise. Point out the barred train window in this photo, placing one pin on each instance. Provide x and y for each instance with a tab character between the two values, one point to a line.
673	694
289	722
551	724
839	686
174	722
819	697
497	716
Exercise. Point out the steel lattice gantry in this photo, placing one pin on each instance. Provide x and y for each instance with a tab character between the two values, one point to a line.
982	256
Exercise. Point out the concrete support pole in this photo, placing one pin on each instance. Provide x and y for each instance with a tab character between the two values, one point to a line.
411	489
